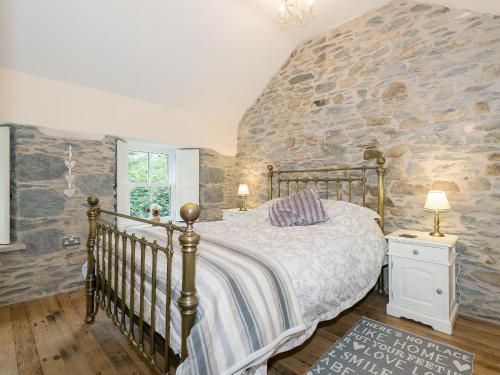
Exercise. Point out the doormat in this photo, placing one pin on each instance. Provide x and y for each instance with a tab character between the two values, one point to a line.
374	348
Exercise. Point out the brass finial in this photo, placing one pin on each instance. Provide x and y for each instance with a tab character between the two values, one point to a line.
92	201
380	161
270	167
190	212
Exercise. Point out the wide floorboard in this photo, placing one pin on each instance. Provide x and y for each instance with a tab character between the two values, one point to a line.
48	336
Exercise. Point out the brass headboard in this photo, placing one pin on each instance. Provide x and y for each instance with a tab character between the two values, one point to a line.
331	179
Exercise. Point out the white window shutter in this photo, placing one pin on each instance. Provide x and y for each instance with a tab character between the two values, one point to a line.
187	176
122	190
4	185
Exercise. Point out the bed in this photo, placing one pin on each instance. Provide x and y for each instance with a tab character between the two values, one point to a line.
229	302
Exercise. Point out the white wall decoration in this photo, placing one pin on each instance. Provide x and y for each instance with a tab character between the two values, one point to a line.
70	163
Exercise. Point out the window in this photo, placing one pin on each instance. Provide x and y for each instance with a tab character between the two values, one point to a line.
148	177
148	174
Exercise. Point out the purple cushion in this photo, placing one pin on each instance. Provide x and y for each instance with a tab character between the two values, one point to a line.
302	208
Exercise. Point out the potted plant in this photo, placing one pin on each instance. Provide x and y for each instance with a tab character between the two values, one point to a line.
154	210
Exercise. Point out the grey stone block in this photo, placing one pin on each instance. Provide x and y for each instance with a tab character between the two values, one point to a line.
212	195
98	184
35	203
211	175
45	241
39	167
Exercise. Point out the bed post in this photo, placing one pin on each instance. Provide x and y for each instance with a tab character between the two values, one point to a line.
381	197
188	300
270	182
90	281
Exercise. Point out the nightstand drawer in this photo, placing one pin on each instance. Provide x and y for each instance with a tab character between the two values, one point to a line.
420	252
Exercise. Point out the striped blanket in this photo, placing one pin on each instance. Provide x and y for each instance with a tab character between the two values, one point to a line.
247	305
253	310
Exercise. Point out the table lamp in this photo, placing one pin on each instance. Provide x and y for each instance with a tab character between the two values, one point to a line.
243	192
436	201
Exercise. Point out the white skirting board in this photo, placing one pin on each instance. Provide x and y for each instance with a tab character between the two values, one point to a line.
4	185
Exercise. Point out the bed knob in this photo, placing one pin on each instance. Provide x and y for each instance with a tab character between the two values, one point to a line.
92	201
190	212
380	161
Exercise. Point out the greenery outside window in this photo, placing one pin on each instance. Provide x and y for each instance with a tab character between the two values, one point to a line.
149	179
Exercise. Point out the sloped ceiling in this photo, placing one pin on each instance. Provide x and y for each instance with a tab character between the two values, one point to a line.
208	57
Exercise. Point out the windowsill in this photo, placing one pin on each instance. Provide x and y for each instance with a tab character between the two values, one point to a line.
15	246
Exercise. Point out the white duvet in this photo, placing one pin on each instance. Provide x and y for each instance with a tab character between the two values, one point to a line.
332	265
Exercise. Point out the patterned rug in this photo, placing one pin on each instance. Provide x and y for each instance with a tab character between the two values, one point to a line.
374	348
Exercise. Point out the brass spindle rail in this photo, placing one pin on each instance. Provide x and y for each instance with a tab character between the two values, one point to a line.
102	279
110	253
363	186
348	176
98	264
350	188
124	282
141	296
107	249
153	305
133	242
115	282
169	254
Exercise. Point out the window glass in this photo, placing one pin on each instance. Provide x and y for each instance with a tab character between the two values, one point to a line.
139	201
159	168
137	167
149	183
161	196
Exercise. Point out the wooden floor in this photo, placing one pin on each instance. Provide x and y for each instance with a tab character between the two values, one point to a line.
48	336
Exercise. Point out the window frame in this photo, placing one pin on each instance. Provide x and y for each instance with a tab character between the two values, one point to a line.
171	174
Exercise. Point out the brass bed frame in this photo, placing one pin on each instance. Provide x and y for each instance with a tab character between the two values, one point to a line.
104	240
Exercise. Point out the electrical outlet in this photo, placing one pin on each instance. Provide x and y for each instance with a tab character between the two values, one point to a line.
71	241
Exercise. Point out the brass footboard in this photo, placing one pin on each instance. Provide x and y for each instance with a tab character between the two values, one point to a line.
106	284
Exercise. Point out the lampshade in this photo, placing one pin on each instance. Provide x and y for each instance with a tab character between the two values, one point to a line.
243	190
436	201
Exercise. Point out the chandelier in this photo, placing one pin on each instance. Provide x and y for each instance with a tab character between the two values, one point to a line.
300	11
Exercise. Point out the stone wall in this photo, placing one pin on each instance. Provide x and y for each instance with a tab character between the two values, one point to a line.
41	215
417	83
217	185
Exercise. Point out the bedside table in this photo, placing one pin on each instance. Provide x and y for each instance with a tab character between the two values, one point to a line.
231	213
422	278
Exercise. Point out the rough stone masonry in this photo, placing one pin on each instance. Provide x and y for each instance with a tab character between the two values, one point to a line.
418	83
41	215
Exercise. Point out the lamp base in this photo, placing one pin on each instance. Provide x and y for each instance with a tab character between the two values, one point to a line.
436	234
243	206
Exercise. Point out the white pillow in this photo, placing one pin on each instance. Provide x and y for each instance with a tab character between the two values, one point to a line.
262	210
336	208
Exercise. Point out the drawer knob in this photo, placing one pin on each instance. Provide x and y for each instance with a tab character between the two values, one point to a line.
439	291
415	252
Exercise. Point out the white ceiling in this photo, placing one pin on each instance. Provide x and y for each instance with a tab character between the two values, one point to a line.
210	57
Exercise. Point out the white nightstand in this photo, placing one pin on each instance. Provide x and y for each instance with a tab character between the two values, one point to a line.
422	278
232	213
